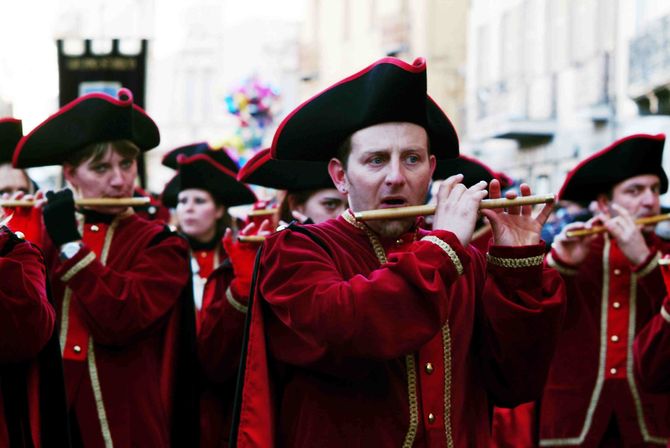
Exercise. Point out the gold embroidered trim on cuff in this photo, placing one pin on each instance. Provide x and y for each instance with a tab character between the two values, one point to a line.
447	248
561	269
665	314
81	264
234	303
515	262
650	266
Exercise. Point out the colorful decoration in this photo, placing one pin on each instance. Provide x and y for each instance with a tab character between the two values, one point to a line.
255	104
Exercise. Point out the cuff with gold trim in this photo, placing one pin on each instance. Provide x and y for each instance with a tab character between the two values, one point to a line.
232	301
647	265
76	264
447	243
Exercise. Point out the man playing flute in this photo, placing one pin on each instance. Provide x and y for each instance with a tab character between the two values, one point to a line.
121	283
384	334
593	397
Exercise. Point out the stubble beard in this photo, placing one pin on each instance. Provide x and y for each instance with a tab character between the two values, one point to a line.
391	229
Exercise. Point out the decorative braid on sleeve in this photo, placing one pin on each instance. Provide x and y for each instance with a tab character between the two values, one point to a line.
515	263
447	248
650	266
665	314
234	303
560	268
81	264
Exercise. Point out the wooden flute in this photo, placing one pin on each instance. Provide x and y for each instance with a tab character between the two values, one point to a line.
600	229
84	202
263	212
250	238
423	210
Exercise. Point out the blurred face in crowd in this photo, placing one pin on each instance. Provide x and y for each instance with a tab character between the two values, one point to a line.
388	166
323	205
639	195
198	214
13	180
109	174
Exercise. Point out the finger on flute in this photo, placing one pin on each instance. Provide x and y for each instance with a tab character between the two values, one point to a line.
423	210
600	229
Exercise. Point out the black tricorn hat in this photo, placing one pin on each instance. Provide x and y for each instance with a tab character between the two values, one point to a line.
292	175
89	119
11	132
220	155
389	90
202	172
625	158
472	170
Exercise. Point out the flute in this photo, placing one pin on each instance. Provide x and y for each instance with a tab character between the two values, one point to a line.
423	210
250	238
600	229
84	202
263	212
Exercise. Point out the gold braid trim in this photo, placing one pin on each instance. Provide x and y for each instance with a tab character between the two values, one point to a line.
561	269
650	266
515	262
446	343
81	264
447	248
665	314
234	303
413	402
65	319
97	393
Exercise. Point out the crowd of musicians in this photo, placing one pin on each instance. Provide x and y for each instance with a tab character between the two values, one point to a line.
304	324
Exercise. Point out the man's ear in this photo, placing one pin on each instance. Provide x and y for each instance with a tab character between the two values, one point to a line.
603	203
338	174
69	174
433	164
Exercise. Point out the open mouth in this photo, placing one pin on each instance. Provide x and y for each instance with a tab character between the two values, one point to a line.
393	202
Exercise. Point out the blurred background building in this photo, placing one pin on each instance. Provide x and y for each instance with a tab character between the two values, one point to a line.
531	85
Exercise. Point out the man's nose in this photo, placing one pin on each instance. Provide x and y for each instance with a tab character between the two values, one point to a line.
395	174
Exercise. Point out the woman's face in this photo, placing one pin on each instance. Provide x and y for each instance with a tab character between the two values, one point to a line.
323	205
197	214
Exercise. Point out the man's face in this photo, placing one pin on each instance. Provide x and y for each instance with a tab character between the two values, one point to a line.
388	166
113	176
13	180
639	195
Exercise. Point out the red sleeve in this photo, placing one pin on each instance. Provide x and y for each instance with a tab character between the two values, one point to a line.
390	312
221	328
651	352
26	316
650	279
120	306
523	305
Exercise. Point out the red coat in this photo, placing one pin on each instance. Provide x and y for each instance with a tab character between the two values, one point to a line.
592	377
652	353
125	310
414	351
31	388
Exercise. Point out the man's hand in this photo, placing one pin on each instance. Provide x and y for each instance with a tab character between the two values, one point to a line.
628	235
516	226
243	255
573	250
457	207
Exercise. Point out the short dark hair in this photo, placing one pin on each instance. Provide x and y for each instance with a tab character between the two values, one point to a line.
96	151
291	200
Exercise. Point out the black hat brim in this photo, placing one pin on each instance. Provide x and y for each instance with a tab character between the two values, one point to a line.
292	175
11	131
473	171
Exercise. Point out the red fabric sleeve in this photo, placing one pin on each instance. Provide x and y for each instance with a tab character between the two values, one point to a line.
391	312
522	313
651	353
121	306
221	330
26	316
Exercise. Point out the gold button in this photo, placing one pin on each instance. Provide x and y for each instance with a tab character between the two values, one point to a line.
94	228
20	235
617	272
399	241
431	418
429	368
77	349
613	370
614	338
616	305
